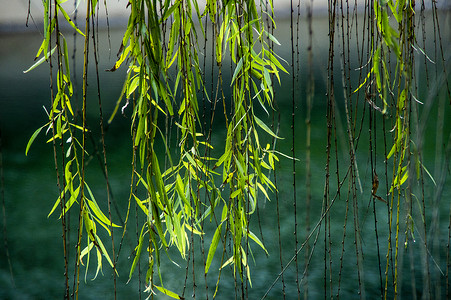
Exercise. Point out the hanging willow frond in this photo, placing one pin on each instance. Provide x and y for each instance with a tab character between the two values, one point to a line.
168	196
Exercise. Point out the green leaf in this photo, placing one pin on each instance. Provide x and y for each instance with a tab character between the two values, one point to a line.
227	262
402	100
404	177
96	210
376	61
168	292
40	61
213	246
169	12
267	82
138	253
104	252
132	84
263	190
66	56
257	240
85	251
396	146
180	187
364	81
141	205
69	203
58	201
238	68
272	38
121	59
235	193
66	16
68	174
429	174
89	224
265	128
32	138
99	214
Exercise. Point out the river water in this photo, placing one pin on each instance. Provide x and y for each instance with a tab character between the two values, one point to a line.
29	187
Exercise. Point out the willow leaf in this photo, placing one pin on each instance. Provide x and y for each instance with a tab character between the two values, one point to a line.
168	292
238	68
180	234
404	177
104	252
265	127
159	180
402	99
396	146
99	214
235	194
96	210
141	205
138	254
43	46
194	230
71	201
40	61
157	222
268	84
86	251
132	85
213	246
32	138
58	201
227	262
68	19
257	240
263	190
156	248
272	38
121	59
180	186
429	174
99	263
66	56
275	59
364	81
376	61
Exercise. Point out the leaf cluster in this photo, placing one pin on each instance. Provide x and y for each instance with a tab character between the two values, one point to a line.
164	76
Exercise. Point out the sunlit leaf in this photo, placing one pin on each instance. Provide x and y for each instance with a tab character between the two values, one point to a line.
32	138
68	19
168	292
138	250
265	127
40	61
257	240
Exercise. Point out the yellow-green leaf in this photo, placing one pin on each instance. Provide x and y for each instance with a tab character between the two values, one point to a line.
213	246
40	61
265	127
168	292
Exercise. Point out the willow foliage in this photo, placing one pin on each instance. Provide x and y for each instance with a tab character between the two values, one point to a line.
160	49
193	182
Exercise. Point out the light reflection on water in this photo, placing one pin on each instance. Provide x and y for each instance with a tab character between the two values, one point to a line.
30	189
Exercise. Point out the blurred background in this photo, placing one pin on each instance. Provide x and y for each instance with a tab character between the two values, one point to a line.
29	186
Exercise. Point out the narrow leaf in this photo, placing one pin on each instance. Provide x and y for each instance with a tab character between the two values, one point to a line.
68	19
238	68
32	138
168	292
40	61
213	246
265	127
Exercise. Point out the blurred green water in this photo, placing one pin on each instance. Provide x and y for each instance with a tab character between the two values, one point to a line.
34	241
